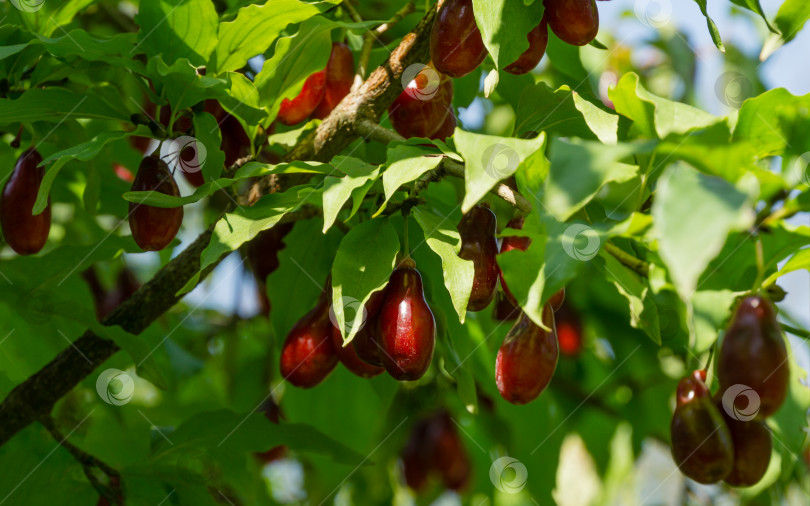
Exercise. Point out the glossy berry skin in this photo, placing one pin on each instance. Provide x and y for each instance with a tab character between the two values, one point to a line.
348	357
424	109
435	447
508	244
527	359
153	228
24	232
504	310
752	449
701	442
477	229
407	328
456	47
575	22
308	355
339	79
447	128
366	342
538	40
753	354
292	112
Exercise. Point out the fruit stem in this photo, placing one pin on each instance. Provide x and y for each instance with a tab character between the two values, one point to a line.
16	142
709	360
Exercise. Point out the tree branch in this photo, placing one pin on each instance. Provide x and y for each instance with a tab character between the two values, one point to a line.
37	395
641	267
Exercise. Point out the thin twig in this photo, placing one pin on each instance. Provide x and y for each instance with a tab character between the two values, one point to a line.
640	267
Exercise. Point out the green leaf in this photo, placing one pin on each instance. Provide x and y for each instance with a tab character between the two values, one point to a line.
242	225
178	29
209	137
711	310
44	193
565	113
54	105
338	190
294	60
247	171
255	28
801	260
490	159
790	19
114	51
406	163
364	261
653	116
754	6
765	121
443	238
693	216
230	432
579	169
713	31
711	150
491	16
643	311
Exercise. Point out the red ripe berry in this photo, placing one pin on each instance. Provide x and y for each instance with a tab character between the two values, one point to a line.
366	343
425	109
456	47
24	232
339	79
298	109
417	456
449	455
407	328
701	443
527	359
538	39
153	228
477	229
508	244
575	22
753	355
348	356
504	310
308	355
